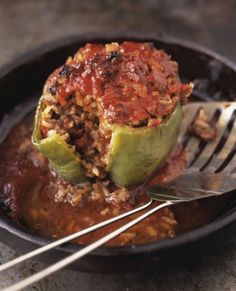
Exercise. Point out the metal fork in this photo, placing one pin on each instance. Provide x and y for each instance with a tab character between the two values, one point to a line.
211	171
211	166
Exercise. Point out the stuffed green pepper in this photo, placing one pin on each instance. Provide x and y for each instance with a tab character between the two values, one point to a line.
111	112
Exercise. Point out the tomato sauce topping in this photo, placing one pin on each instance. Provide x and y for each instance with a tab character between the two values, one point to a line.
131	82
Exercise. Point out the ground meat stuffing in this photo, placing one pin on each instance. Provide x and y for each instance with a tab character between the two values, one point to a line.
77	194
202	128
80	128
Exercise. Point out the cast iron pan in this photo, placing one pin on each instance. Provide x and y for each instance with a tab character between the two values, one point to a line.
214	77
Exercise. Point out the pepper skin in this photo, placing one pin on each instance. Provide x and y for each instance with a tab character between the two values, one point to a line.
134	153
62	159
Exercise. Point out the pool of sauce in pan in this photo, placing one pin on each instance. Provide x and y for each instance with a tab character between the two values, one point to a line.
27	188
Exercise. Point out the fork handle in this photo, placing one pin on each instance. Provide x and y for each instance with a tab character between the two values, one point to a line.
81	253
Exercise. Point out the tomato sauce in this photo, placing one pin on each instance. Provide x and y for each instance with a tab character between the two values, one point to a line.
120	78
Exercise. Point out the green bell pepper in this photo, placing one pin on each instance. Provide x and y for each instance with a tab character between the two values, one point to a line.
62	158
133	153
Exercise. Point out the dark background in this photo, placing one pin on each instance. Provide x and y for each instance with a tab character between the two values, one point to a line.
25	24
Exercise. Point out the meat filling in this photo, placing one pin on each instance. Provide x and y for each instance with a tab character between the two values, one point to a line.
79	126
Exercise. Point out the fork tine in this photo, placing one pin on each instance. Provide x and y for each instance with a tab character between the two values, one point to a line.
192	148
229	164
216	146
227	148
189	113
231	167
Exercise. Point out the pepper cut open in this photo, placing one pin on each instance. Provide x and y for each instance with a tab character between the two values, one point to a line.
111	112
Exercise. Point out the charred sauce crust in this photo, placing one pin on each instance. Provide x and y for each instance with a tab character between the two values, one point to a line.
121	77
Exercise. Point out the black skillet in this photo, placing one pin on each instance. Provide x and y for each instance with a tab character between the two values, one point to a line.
214	78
